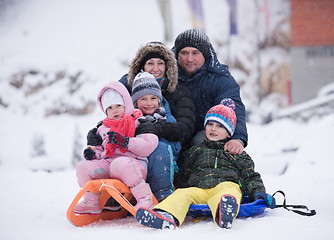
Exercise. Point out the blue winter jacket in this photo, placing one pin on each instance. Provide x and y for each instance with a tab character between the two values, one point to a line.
208	87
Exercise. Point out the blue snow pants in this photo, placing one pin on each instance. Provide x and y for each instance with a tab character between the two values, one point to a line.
160	174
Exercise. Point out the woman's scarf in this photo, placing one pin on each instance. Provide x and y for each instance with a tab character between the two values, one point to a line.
161	81
125	126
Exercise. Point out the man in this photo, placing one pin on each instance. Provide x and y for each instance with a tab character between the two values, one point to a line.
209	82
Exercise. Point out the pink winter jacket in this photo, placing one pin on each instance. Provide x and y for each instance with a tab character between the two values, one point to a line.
140	146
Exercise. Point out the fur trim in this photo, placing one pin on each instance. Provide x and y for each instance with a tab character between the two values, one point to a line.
171	65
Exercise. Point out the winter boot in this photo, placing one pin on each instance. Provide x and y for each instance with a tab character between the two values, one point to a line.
90	204
227	210
155	218
143	194
112	205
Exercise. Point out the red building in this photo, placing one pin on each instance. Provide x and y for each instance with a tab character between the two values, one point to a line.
312	47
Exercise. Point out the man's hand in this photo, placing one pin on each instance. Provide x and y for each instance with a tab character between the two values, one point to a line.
234	146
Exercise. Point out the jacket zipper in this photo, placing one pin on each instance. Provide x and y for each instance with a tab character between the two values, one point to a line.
216	160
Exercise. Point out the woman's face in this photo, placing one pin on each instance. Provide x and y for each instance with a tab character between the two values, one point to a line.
156	67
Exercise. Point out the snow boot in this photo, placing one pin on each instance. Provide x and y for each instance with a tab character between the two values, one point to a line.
155	218
143	195
90	204
227	210
112	205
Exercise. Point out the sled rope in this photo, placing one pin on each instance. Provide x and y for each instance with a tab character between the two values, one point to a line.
294	208
112	187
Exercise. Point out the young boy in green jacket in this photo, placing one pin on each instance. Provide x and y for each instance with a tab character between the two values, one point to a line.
210	175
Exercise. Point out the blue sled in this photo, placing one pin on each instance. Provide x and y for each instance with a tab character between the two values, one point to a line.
246	209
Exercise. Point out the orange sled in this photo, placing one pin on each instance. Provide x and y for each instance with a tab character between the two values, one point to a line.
107	188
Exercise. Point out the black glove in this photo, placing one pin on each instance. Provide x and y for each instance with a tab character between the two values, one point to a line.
268	199
89	154
118	139
94	139
147	127
146	118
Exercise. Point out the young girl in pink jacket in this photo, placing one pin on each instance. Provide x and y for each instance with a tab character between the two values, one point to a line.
122	155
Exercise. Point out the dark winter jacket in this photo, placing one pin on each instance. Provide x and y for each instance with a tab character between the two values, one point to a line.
208	87
207	165
175	146
178	96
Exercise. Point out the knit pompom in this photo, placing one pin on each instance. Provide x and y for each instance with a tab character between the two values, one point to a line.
228	102
223	114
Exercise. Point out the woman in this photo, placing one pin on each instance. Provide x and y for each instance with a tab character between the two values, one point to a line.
157	59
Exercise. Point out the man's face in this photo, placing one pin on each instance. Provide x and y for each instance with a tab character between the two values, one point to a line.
190	59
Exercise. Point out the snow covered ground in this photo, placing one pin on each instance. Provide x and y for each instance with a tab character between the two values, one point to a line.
292	156
34	204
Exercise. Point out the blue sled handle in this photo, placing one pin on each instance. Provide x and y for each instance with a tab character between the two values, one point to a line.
246	209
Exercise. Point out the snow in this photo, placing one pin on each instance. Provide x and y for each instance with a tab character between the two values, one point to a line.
101	37
310	104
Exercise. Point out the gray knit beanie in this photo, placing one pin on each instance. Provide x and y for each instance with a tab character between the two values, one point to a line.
193	38
145	84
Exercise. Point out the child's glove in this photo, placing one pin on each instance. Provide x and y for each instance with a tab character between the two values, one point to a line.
89	154
94	139
147	118
159	113
118	139
268	199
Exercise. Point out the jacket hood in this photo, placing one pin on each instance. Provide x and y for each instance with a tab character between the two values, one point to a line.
121	89
214	65
171	66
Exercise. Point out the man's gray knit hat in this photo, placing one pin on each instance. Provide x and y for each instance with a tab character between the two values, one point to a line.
145	84
193	38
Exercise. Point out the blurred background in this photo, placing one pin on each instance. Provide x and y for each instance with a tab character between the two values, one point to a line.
56	55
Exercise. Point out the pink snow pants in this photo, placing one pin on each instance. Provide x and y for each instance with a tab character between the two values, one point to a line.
127	169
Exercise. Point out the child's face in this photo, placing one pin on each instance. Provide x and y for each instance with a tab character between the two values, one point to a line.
215	131
148	104
156	67
115	111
